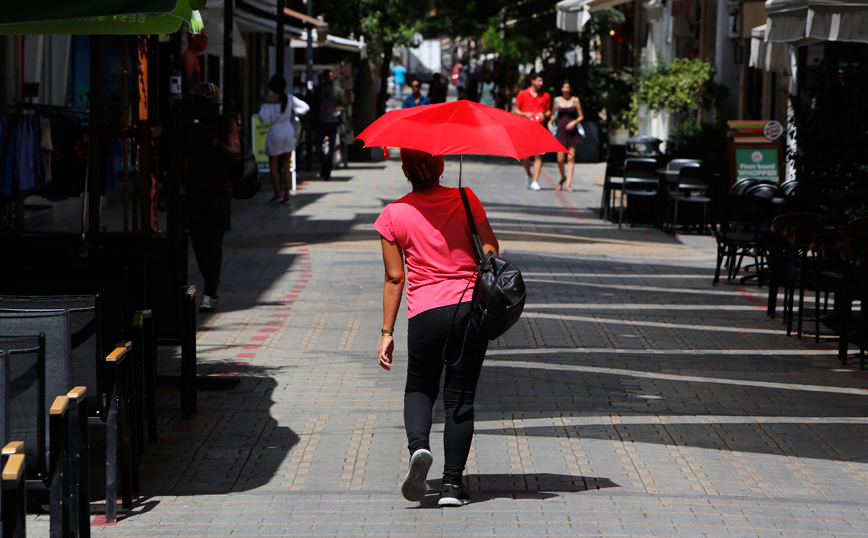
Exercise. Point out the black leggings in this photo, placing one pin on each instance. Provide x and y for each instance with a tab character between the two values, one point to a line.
426	336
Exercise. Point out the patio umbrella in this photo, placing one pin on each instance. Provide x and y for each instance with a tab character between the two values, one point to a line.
461	128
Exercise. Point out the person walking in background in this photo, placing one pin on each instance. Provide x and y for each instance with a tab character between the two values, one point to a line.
428	229
488	90
278	110
569	114
535	104
399	72
208	144
437	89
415	98
330	103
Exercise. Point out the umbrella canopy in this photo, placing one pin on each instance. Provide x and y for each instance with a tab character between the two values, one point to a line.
461	128
134	17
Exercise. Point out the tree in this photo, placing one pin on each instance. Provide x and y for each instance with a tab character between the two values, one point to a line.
384	24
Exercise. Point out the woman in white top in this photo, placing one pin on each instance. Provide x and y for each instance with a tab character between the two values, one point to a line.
278	110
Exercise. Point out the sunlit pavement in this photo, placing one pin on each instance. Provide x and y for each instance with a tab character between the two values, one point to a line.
632	399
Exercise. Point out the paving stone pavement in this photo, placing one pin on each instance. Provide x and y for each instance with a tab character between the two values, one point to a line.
633	398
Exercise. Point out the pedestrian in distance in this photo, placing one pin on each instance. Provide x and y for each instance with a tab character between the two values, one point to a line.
329	101
415	98
437	89
427	229
399	73
488	90
208	146
534	104
568	111
279	109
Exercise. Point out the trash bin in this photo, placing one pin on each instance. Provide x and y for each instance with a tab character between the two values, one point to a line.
643	146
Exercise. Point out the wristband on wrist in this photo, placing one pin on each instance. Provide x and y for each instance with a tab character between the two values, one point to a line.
387	332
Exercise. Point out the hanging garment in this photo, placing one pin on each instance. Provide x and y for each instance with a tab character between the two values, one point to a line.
7	155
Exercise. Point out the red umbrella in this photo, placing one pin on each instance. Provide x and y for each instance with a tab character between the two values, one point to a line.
461	128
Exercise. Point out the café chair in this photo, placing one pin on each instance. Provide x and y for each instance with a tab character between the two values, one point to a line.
614	169
741	226
742	184
13	492
695	186
641	180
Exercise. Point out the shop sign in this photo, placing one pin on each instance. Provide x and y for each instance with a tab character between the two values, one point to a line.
758	163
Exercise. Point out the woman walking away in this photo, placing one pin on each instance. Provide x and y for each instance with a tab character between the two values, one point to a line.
428	229
280	142
569	118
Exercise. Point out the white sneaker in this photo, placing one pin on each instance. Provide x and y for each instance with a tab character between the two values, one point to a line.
208	304
415	485
534	186
528	181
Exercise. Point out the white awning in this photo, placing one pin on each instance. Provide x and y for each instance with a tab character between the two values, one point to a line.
790	21
212	18
772	57
572	15
331	41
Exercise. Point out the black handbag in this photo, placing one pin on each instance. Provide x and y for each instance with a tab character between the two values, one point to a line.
499	293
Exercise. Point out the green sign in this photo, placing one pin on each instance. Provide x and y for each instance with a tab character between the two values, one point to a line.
758	163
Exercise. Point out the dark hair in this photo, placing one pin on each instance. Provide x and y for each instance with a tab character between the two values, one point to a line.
534	76
419	165
278	86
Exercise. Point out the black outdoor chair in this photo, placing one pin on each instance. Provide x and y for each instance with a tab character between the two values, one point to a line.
614	169
90	369
695	186
741	186
766	189
56	442
13	492
741	226
789	187
641	180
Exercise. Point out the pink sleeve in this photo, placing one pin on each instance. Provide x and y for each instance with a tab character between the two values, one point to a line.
479	215
383	224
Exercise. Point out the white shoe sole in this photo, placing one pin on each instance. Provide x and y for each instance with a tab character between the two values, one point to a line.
451	501
415	485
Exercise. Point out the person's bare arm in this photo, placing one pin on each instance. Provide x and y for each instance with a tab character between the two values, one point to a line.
487	238
393	287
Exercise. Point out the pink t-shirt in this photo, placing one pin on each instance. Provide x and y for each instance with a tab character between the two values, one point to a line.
432	231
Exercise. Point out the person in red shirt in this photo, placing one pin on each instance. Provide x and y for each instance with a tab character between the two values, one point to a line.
534	104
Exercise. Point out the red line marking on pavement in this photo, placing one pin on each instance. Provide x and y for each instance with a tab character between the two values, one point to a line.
227	374
274	323
246	356
292	296
266	330
251	346
258	338
99	521
241	364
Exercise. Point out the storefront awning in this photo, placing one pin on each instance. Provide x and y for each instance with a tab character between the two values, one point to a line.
572	15
768	56
333	42
108	17
212	17
790	21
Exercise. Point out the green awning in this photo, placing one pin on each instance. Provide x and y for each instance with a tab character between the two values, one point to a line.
103	17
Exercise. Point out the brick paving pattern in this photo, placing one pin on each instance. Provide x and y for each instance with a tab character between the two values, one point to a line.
633	399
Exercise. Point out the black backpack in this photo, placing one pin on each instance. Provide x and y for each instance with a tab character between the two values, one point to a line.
499	293
246	181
